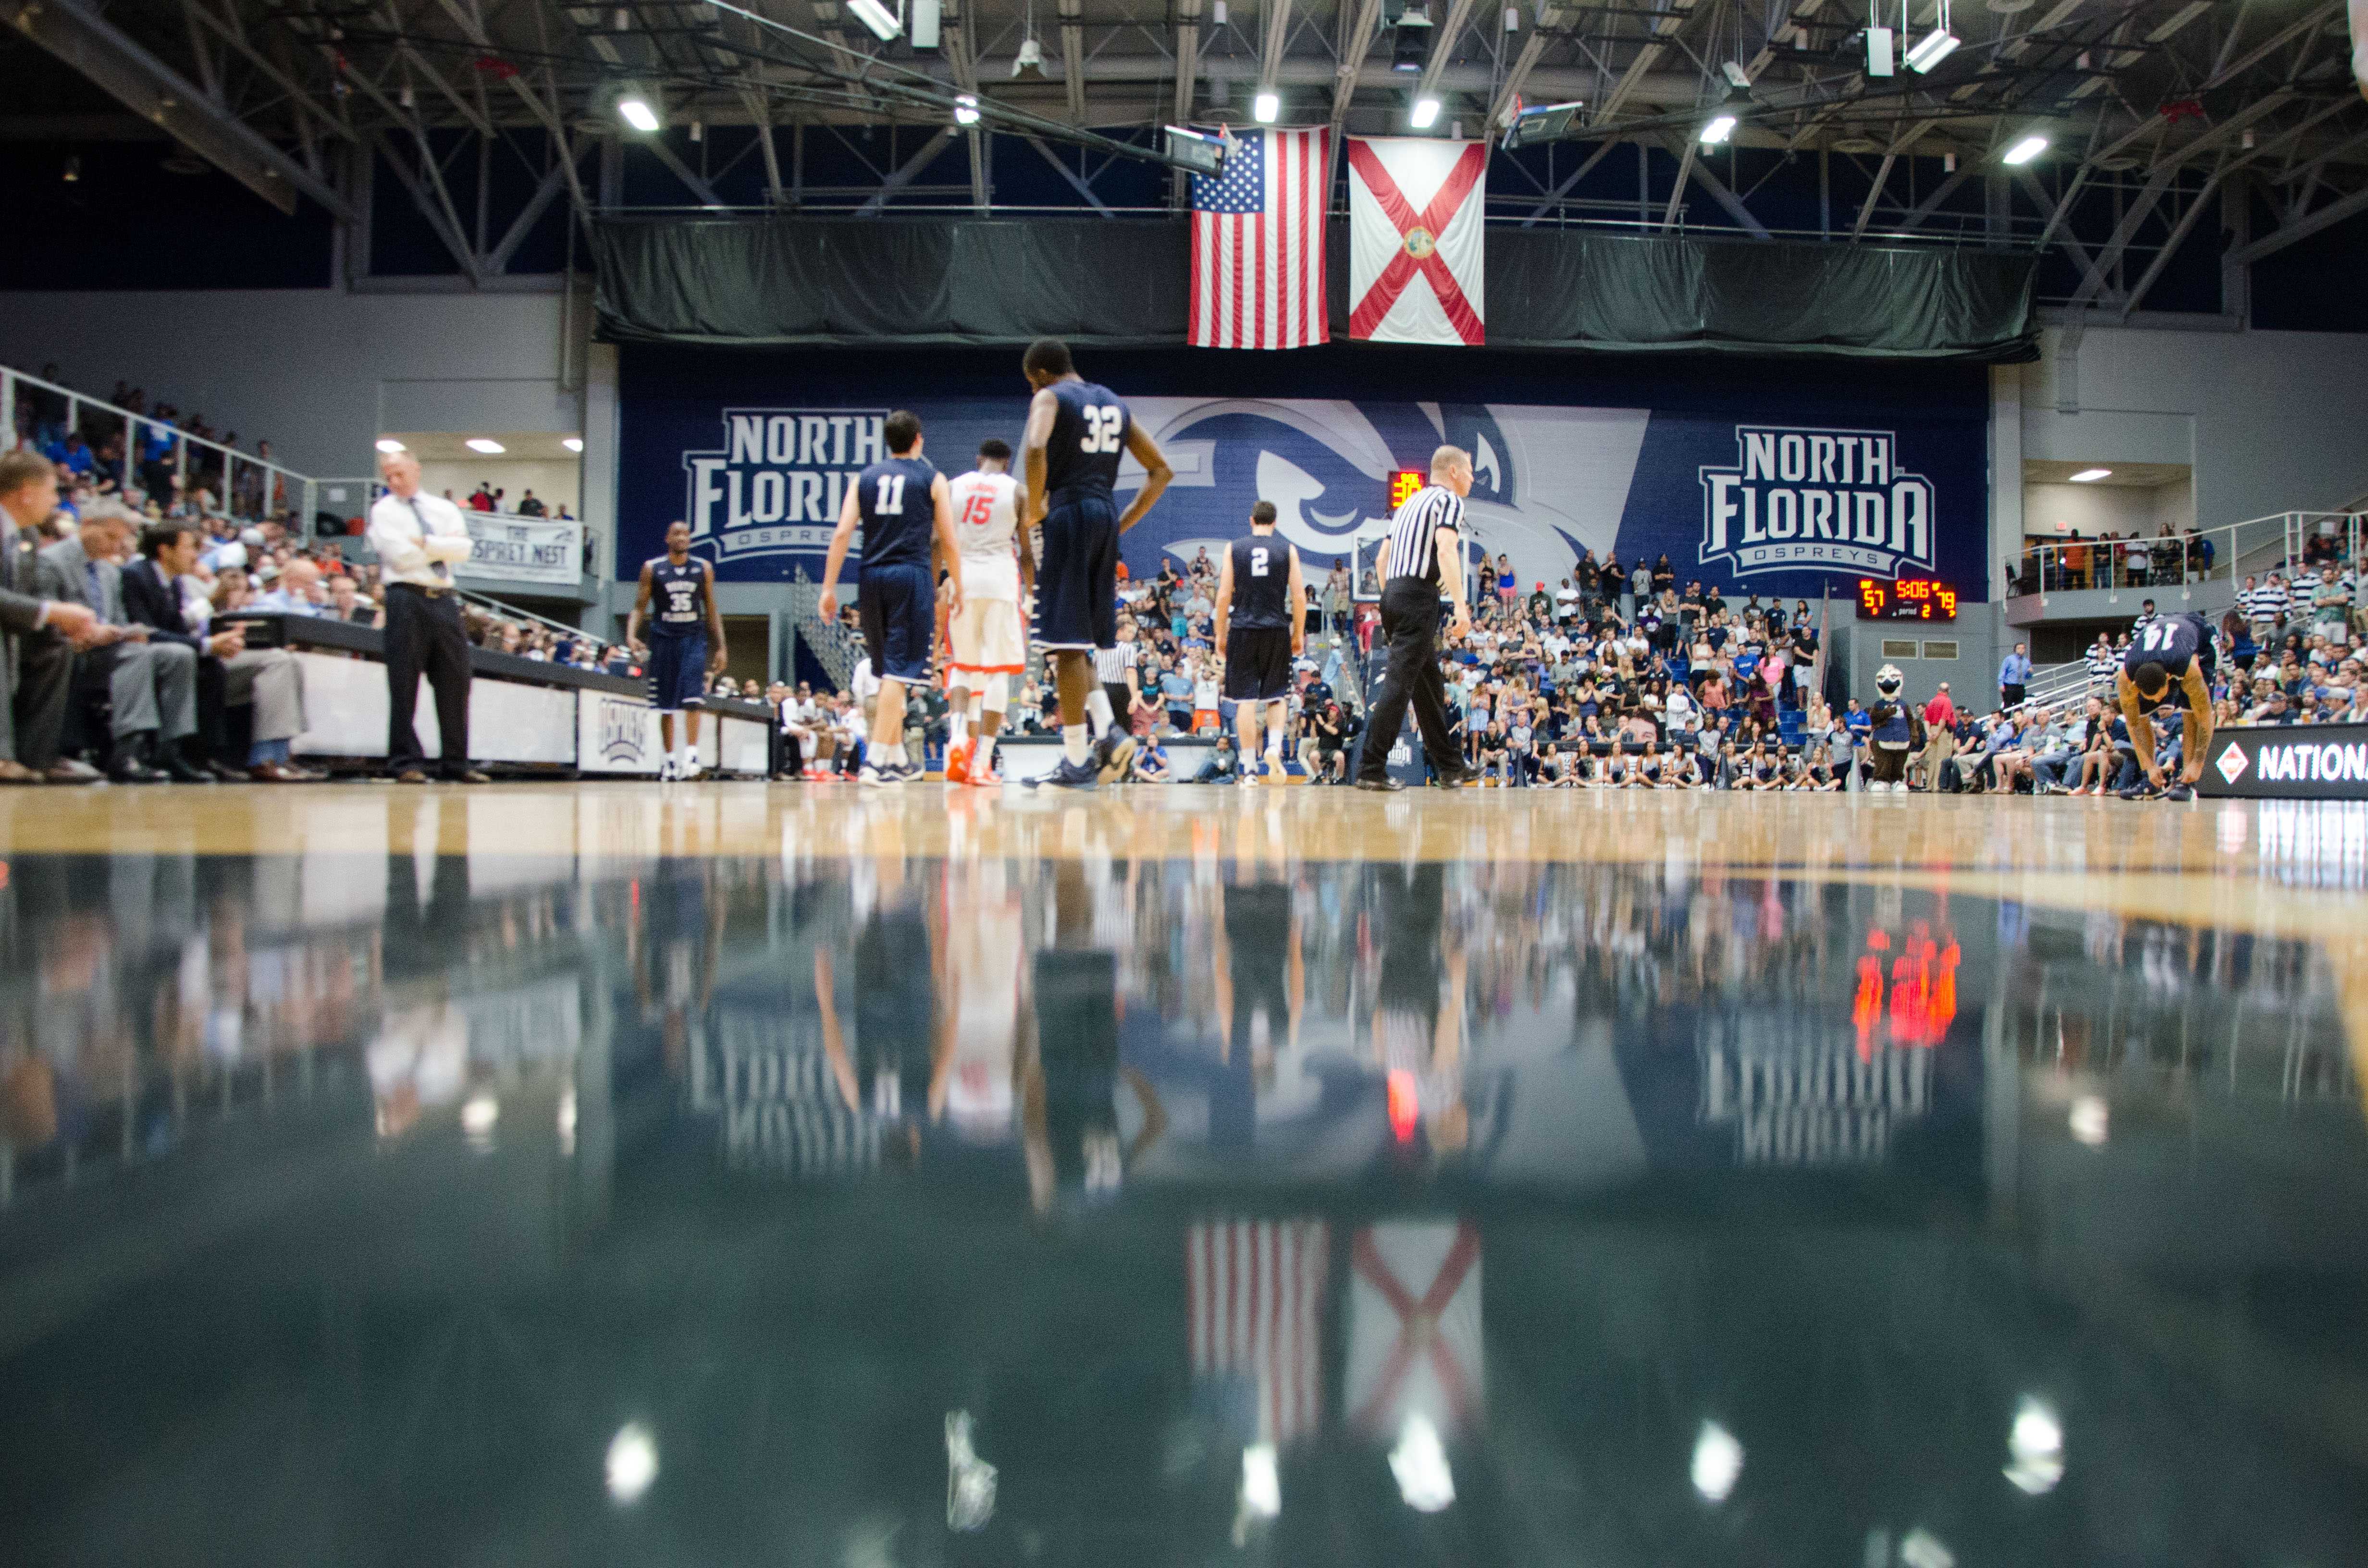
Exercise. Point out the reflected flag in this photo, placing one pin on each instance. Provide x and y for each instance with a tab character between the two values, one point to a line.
1257	1290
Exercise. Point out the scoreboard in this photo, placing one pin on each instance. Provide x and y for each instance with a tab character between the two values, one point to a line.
1907	598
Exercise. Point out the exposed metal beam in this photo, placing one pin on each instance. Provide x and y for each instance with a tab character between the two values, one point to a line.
2279	238
1875	194
761	114
1533	48
1940	193
1072	57
1442	46
681	171
1187	60
2166	170
435	205
1678	191
1692	164
550	117
297	96
529	216
958	47
1276	42
1077	181
906	172
1664	27
1603	151
154	90
1364	19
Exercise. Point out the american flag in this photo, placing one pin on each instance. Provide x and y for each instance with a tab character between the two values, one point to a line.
1257	243
1257	1290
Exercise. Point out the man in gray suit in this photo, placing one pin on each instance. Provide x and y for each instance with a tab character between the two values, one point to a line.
37	636
152	685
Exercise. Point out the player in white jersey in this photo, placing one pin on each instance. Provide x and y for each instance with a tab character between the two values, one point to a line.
989	645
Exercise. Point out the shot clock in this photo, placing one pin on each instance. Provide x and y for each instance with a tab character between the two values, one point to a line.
1905	598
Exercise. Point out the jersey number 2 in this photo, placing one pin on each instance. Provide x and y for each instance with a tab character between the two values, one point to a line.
1257	560
1103	424
891	496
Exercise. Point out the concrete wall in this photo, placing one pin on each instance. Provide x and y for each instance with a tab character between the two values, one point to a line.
317	372
552	483
2051	511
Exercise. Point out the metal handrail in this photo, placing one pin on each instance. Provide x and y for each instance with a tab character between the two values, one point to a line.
277	482
2238	550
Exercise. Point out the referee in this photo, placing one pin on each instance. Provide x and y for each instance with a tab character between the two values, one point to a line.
417	539
1422	557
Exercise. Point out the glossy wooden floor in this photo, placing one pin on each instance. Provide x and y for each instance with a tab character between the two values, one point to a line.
2285	867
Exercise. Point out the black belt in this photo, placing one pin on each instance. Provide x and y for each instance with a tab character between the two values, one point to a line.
431	593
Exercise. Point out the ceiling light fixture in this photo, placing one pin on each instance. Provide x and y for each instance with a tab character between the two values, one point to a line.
1935	46
572	443
488	447
2030	147
1030	56
635	110
1266	105
389	444
1426	114
1716	133
965	109
884	24
1410	41
2090	476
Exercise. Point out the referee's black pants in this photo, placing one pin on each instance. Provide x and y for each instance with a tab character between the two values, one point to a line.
424	636
1410	627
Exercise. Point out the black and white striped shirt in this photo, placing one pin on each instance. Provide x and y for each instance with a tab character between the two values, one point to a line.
1112	663
1414	544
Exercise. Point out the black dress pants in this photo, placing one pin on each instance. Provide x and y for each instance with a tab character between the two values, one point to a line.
424	636
1410	627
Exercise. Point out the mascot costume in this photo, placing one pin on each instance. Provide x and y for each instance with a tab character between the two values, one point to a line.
1897	733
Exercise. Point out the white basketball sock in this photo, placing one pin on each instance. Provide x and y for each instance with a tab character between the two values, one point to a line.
1076	743
957	727
1098	708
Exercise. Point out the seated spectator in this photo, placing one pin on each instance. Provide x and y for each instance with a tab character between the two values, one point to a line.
150	686
1224	765
267	681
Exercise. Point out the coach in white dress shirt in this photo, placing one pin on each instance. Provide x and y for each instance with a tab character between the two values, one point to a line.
418	537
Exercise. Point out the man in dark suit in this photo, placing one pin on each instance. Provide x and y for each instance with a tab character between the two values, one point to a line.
37	636
152	685
230	674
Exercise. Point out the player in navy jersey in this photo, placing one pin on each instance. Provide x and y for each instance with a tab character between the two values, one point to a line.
1076	432
902	504
686	643
2173	650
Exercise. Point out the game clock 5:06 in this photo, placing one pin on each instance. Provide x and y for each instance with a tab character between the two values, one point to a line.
1907	598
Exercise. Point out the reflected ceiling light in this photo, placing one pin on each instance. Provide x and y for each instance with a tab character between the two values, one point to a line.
1266	105
389	444
884	24
1716	132
965	109
572	443
2034	1447
1426	114
970	1480
481	444
634	108
478	1115
1261	1483
1718	1462
2090	476
2091	1119
1420	1463
2030	147
632	1462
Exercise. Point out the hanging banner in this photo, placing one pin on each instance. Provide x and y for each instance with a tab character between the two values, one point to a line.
1416	245
522	550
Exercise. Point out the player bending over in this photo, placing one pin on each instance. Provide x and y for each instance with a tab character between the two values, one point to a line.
902	506
678	652
2174	650
1076	432
989	648
1262	601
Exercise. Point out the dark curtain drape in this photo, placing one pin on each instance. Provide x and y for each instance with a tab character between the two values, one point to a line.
776	282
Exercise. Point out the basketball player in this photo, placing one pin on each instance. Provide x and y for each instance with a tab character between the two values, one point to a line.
678	652
1262	602
989	648
2174	648
903	505
1076	432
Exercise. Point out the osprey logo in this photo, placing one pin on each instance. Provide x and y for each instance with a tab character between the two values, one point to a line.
2232	763
621	727
774	487
1806	500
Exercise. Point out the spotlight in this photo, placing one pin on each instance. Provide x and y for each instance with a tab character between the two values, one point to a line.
635	110
1030	56
1410	41
1426	114
2030	147
1736	77
1716	133
1266	105
965	109
884	24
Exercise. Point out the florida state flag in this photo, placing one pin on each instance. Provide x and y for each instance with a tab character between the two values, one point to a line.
1416	240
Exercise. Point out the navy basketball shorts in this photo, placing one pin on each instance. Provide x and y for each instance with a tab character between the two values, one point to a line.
1257	664
679	672
898	606
1076	582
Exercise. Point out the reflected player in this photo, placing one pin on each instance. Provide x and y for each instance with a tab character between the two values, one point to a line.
686	643
988	646
1075	431
1261	625
904	509
2174	650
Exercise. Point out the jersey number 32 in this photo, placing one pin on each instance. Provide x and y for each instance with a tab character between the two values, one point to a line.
1104	424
